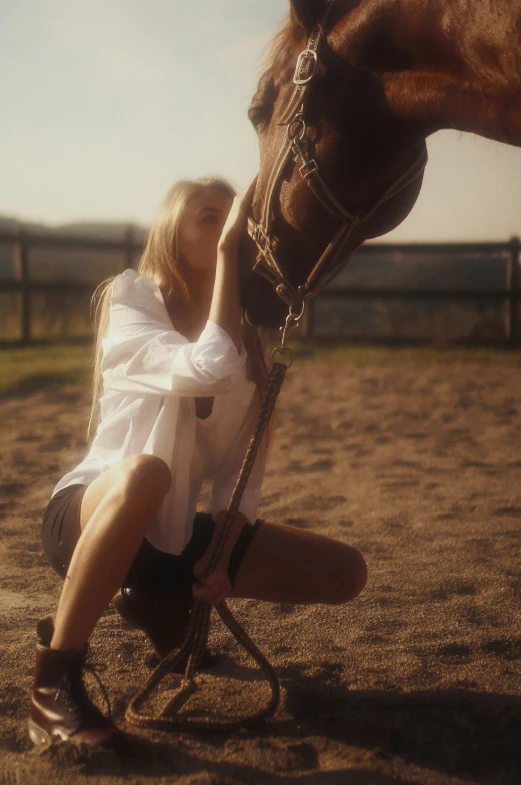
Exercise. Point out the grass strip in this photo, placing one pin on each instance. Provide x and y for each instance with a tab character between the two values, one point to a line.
24	370
332	351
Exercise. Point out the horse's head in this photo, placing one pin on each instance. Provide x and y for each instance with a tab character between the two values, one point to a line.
336	165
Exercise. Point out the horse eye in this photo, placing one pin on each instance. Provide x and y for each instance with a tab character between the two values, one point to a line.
255	115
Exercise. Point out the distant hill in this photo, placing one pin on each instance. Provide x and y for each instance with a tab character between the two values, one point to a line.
377	269
423	271
474	319
105	230
49	264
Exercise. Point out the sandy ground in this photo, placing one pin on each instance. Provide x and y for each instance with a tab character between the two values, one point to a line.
417	681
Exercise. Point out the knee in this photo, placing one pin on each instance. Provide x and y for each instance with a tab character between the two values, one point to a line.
144	475
350	575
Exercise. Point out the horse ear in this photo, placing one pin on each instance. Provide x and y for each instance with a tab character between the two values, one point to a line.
308	12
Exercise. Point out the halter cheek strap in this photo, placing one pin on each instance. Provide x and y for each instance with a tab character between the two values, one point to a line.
296	145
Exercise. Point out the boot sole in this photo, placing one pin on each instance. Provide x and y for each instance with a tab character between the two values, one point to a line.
119	745
37	735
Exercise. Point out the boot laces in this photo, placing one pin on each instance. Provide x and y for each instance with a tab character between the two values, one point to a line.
91	669
70	699
66	696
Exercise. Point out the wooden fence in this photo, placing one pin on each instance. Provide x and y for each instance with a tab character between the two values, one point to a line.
129	247
509	294
25	241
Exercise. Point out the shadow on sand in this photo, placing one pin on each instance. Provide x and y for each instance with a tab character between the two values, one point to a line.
457	733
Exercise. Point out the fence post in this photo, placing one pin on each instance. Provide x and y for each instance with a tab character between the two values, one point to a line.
23	246
128	254
512	284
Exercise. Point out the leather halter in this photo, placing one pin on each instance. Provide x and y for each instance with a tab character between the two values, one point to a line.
297	145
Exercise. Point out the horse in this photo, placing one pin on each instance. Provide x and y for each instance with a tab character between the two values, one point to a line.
350	92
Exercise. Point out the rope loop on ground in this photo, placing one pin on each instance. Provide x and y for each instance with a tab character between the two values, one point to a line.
196	638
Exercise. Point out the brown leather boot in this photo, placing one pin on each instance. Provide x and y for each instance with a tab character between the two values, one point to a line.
60	706
164	618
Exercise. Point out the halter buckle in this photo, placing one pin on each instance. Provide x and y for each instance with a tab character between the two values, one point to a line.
263	267
306	67
286	292
308	169
300	148
260	238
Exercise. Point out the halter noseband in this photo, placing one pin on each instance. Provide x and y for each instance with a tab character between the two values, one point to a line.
297	144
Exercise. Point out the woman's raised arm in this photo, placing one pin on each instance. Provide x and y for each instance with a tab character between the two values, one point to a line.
225	309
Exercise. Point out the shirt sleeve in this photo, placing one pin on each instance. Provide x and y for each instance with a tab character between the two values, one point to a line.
143	353
226	477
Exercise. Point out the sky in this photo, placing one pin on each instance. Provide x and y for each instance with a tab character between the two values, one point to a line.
105	104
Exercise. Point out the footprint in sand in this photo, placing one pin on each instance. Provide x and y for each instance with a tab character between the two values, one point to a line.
455	589
507	512
277	755
28	437
392	484
270	498
314	502
6	507
410	464
350	447
509	649
455	652
319	466
302	523
12	487
345	425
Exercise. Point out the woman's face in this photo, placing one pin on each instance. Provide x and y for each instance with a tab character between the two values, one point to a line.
200	228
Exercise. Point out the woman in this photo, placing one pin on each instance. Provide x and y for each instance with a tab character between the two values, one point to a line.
178	380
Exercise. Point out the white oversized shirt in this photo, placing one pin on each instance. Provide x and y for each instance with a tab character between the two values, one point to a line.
151	375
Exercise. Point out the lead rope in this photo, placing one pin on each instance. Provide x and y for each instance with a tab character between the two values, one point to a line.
196	638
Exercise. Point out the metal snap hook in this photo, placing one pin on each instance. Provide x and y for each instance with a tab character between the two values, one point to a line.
292	319
293	132
293	315
283	356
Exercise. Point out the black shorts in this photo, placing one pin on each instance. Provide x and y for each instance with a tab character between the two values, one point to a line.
151	569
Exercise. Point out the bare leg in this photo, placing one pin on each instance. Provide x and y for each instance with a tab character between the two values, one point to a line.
285	564
115	513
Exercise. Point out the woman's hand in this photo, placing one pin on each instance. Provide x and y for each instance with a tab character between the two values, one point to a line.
216	587
235	224
213	589
225	309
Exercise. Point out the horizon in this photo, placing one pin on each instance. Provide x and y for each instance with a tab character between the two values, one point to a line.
115	115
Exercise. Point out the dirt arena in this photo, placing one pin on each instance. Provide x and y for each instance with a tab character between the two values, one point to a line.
417	681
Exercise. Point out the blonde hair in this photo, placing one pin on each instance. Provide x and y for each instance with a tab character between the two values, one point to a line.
161	262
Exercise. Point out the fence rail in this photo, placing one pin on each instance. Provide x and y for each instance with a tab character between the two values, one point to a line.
510	294
129	246
25	241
